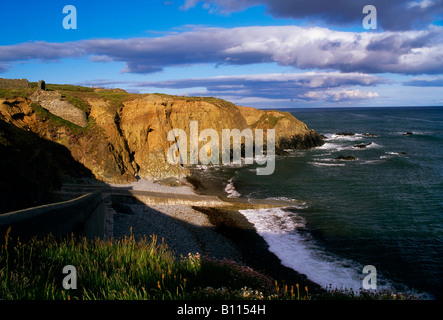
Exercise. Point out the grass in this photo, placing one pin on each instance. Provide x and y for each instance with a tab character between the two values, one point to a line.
115	97
67	87
268	120
135	269
15	93
120	269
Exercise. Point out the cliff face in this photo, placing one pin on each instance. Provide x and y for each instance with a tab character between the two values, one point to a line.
31	167
290	133
124	136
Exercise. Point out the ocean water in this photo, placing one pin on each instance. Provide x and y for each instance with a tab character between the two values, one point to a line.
384	209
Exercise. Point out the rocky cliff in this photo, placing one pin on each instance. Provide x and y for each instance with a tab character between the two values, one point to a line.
31	167
121	136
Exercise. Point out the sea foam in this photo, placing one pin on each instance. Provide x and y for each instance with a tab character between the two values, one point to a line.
296	250
230	189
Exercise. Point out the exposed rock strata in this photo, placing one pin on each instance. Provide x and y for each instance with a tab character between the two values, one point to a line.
54	103
121	140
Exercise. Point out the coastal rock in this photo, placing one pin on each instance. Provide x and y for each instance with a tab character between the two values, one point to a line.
117	162
290	133
126	135
346	158
32	167
345	134
362	145
53	102
372	135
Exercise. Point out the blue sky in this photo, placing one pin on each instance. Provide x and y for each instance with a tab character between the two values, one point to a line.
261	53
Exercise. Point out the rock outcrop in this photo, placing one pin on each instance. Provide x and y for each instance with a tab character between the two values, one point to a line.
54	103
31	167
121	136
346	158
290	133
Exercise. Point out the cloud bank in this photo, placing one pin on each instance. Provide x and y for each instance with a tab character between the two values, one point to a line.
392	14
282	87
404	52
293	86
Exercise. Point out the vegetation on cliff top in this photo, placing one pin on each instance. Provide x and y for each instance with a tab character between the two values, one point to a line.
130	269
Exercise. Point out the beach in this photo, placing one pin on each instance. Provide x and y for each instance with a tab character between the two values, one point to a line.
222	233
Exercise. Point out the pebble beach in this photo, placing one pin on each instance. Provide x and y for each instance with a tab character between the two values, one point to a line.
214	232
184	229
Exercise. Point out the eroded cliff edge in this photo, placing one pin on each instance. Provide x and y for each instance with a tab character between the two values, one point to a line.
123	136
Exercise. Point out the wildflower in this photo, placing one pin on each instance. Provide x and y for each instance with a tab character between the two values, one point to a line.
298	292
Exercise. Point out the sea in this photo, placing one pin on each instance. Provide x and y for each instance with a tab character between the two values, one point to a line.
382	209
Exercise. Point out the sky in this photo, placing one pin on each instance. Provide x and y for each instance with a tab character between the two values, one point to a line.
259	53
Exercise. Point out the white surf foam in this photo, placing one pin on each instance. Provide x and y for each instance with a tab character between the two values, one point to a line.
279	229
230	190
367	146
297	204
376	161
333	146
357	136
327	164
390	154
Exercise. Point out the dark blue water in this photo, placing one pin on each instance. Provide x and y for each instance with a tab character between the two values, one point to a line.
383	209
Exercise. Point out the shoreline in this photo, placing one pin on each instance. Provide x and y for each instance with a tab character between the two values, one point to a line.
253	248
218	232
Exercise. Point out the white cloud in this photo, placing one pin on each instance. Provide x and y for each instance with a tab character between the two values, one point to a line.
351	95
409	52
339	95
422	4
268	86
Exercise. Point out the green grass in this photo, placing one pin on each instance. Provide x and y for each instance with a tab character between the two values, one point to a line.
136	269
15	93
67	87
121	269
116	97
268	120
